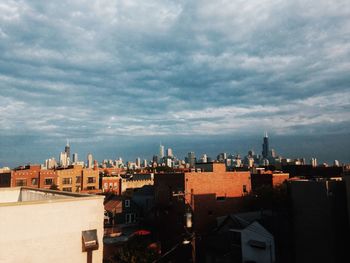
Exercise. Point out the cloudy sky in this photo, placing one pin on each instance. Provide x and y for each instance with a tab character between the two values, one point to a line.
116	77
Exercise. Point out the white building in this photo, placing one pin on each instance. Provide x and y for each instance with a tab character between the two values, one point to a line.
49	226
64	161
161	151
89	161
257	244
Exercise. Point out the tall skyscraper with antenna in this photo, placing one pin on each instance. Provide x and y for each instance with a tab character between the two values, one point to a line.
67	149
265	146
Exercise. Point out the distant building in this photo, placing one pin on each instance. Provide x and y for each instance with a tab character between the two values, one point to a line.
138	162
161	151
265	146
89	161
50	163
67	150
169	152
204	158
75	158
63	159
313	162
191	159
221	157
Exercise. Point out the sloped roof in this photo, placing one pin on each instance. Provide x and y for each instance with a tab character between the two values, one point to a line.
114	205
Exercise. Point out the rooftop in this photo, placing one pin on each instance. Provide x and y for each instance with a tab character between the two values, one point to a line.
27	195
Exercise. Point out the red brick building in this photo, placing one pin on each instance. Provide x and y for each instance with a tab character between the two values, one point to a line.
111	184
206	193
33	176
268	179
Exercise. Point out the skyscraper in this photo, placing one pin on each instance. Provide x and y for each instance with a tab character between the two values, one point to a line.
191	159
75	157
313	162
169	152
63	159
89	160
67	149
138	162
161	151
265	146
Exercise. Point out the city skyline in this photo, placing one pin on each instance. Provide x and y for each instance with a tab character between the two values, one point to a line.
284	146
106	73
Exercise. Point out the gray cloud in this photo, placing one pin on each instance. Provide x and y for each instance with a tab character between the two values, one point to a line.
100	69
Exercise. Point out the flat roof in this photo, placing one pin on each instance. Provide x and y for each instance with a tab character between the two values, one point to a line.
26	195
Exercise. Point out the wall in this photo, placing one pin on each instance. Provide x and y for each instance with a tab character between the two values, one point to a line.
320	221
249	253
213	194
49	231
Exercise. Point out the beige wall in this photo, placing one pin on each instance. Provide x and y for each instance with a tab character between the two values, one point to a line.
49	231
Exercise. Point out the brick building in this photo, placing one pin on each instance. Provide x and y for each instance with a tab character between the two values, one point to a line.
205	194
76	179
33	176
267	179
320	220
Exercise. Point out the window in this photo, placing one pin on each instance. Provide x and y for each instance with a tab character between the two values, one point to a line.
67	189
34	181
67	180
90	188
48	181
91	180
127	203
130	218
245	189
220	198
78	179
21	182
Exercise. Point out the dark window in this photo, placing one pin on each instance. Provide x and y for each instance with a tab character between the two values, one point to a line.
90	188
220	198
48	181
245	189
67	180
91	180
130	218
78	179
67	189
21	182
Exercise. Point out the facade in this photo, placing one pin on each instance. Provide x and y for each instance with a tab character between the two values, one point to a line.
121	210
111	184
267	179
49	226
203	196
33	176
76	179
320	220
